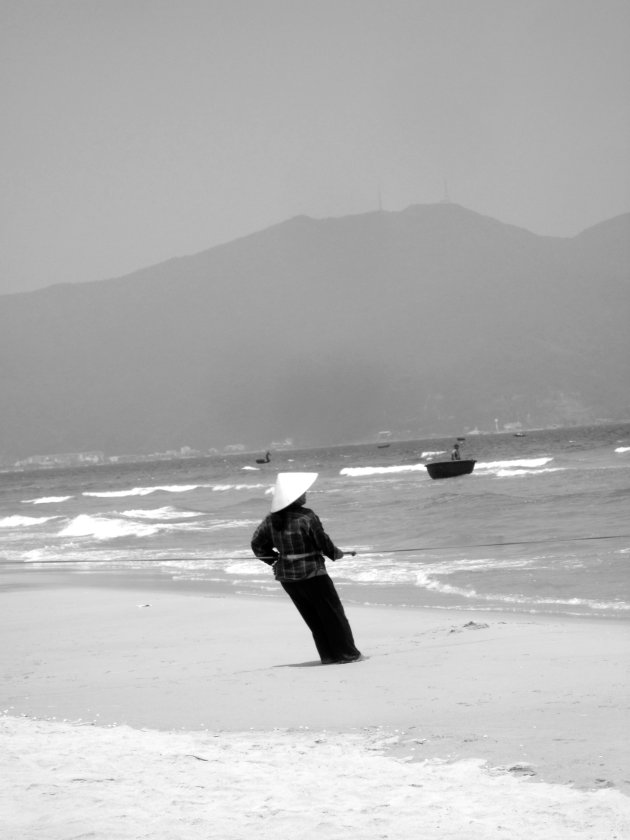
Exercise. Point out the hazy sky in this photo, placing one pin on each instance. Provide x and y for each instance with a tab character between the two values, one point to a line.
139	130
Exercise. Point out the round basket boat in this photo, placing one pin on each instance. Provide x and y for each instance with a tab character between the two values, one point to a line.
450	469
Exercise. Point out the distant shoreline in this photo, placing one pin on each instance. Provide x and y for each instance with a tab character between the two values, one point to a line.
158	458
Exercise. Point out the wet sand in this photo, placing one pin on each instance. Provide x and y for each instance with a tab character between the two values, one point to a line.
478	705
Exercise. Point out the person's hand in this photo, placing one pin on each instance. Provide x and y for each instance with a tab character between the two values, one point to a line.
341	554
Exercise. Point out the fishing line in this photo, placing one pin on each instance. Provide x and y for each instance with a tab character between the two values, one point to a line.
366	553
502	542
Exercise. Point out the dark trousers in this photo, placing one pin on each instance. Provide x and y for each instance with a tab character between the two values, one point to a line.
318	603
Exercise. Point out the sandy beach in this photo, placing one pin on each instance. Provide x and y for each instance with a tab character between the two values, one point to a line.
163	712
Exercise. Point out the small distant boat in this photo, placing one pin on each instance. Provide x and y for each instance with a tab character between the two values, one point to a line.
384	440
264	460
519	434
450	469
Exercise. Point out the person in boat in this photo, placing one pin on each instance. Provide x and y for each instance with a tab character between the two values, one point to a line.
455	454
291	539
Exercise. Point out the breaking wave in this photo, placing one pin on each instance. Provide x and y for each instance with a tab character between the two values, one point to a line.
46	500
161	513
357	471
113	527
225	487
523	463
106	528
144	491
23	521
499	468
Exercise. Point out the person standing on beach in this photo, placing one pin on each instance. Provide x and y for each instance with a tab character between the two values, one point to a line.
292	540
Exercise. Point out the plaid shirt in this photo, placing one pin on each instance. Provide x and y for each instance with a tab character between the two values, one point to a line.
296	552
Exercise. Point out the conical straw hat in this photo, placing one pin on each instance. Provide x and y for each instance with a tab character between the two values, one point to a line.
289	487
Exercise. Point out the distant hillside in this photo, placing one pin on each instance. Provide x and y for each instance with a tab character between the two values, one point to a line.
431	320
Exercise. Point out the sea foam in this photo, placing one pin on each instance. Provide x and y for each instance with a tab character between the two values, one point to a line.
46	500
499	467
144	491
105	528
425	581
23	521
359	471
226	487
161	513
525	463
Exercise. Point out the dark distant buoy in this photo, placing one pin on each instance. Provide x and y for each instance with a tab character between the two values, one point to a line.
264	460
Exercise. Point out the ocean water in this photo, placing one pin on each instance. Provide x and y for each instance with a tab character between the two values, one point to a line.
542	525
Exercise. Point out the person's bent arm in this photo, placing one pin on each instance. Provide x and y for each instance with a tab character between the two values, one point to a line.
323	541
262	545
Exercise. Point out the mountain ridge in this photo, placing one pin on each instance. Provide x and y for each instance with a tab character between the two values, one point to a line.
430	319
